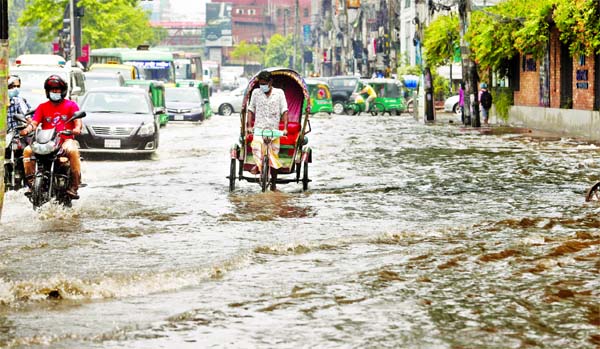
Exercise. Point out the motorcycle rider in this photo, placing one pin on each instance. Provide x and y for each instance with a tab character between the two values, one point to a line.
18	104
54	114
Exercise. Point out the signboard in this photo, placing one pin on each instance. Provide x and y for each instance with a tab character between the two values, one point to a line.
218	25
85	54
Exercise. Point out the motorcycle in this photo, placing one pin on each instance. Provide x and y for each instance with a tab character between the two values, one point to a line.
14	173
52	168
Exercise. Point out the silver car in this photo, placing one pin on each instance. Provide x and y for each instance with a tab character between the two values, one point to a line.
227	103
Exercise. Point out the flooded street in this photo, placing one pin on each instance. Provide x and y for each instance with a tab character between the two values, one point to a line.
410	236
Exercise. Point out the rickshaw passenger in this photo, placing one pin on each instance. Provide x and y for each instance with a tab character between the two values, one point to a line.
372	95
267	106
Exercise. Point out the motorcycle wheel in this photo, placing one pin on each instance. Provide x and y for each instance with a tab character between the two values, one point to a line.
39	195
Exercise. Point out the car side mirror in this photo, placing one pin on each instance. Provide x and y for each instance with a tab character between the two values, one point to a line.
159	110
76	90
206	101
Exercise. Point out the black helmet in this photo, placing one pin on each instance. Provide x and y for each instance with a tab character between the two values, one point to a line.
55	81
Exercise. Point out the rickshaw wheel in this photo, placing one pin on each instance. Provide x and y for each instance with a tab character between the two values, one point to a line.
232	175
264	175
593	194
305	177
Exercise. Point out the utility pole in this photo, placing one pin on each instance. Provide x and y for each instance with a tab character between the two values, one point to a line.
73	49
4	52
296	31
469	68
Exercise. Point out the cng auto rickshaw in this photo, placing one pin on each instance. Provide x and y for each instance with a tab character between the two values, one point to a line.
294	153
156	92
320	96
389	96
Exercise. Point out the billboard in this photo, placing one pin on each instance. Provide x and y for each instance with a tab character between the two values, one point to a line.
218	25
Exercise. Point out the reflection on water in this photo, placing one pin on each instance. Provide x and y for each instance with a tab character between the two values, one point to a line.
266	206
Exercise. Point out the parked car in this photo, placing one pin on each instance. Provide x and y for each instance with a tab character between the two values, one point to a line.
119	120
451	105
184	104
227	103
341	87
103	79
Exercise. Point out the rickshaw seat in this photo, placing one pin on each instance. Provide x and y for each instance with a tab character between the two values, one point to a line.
289	139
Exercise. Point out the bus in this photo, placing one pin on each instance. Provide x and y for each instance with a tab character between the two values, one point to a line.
188	66
152	65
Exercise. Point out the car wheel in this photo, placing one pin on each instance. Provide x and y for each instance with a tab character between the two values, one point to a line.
457	109
338	107
225	109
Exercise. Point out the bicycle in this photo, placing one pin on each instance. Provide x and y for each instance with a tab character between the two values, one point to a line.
267	136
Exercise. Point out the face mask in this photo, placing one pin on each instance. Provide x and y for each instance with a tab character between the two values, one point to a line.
14	92
55	96
264	88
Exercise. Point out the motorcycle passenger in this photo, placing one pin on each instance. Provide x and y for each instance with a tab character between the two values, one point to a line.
18	104
54	114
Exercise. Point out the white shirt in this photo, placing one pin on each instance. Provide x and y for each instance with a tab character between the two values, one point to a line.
267	109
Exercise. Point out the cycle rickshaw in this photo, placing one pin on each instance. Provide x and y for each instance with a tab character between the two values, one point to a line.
294	153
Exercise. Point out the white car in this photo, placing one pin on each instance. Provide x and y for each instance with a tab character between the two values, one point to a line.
227	103
451	105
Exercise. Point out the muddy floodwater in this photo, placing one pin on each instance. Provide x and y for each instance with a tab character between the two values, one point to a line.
410	236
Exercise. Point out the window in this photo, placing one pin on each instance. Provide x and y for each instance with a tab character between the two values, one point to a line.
251	12
306	12
239	11
406	3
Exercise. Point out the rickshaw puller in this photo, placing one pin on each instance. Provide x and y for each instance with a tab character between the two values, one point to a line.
267	107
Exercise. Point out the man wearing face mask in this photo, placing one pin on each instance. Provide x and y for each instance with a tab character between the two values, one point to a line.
18	104
267	107
54	114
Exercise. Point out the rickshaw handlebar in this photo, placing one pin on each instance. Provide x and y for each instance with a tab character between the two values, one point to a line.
269	133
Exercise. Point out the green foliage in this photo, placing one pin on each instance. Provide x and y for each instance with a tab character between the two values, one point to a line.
279	51
503	99
440	37
579	25
247	52
22	39
441	86
115	23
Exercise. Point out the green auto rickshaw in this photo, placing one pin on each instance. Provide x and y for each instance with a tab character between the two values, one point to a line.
389	98
156	91
204	88
320	96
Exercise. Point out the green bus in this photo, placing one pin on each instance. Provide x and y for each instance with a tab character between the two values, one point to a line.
152	65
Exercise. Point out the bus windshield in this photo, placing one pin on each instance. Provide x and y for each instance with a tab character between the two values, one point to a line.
156	70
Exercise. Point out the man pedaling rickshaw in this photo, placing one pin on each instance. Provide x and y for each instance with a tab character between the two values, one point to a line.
366	88
54	114
267	106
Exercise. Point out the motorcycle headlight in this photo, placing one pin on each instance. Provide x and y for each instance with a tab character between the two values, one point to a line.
146	130
43	149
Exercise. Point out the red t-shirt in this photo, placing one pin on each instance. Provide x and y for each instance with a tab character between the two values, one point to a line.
52	115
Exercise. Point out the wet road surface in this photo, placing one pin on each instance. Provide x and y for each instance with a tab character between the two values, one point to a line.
410	236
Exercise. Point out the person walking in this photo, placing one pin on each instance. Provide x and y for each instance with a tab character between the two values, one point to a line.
485	102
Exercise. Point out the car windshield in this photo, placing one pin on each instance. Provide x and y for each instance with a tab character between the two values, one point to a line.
102	81
182	95
115	102
34	79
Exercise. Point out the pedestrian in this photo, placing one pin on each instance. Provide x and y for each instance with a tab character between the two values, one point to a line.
485	102
18	104
267	108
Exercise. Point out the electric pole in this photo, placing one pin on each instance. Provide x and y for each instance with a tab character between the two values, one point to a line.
469	68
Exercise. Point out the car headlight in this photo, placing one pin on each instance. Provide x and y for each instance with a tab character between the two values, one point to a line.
146	130
196	110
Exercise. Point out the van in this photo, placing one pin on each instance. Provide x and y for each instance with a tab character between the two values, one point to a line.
35	69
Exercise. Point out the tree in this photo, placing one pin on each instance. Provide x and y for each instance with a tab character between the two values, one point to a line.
115	23
279	51
440	37
246	52
22	39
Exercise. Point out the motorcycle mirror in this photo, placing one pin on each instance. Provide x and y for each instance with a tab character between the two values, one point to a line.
31	112
78	115
20	118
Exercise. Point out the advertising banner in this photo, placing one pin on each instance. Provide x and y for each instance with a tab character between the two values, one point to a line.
218	25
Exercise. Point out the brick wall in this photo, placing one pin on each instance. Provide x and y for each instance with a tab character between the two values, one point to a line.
583	83
529	91
583	79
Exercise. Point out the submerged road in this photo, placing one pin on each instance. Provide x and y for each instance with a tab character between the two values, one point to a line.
410	236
